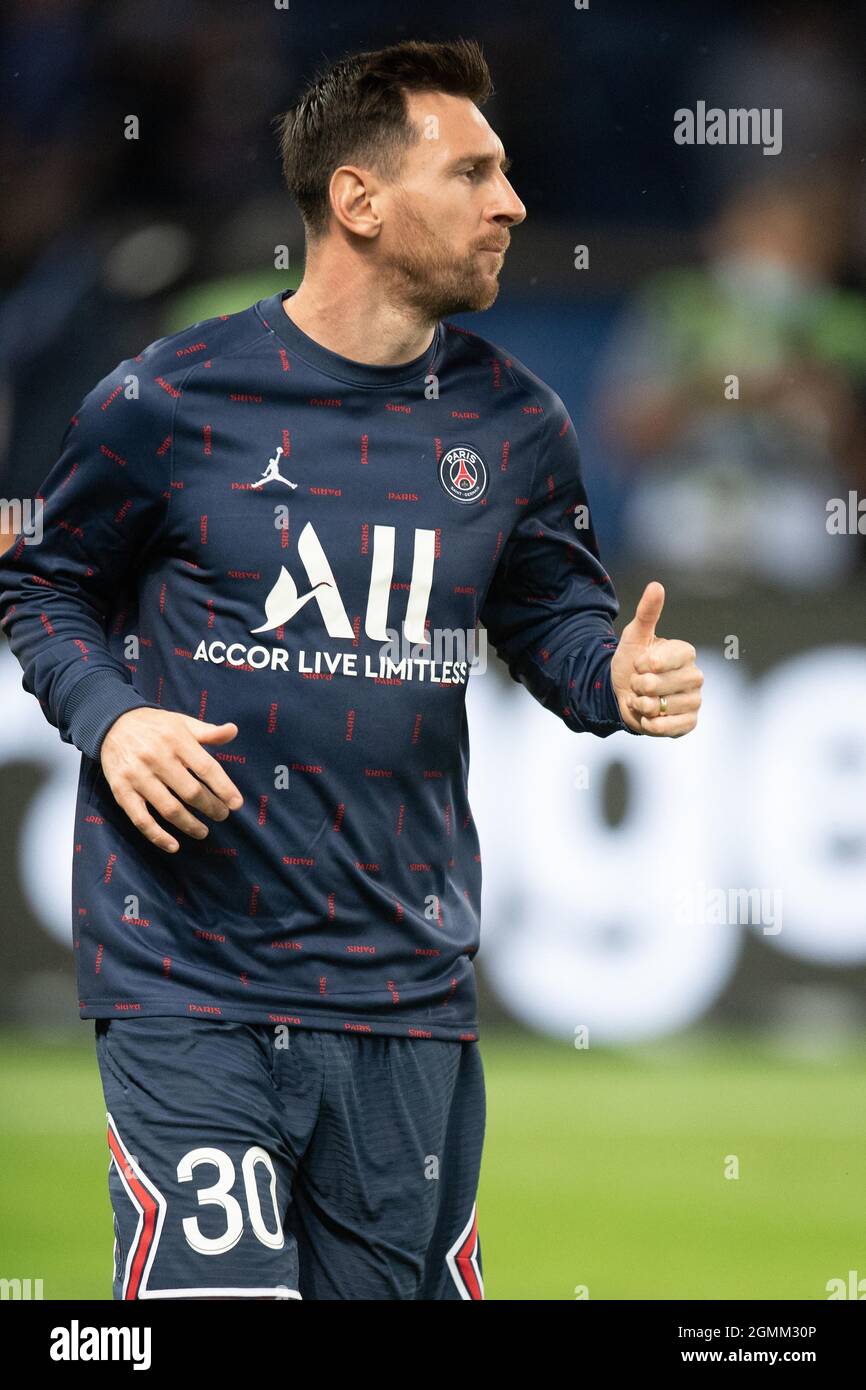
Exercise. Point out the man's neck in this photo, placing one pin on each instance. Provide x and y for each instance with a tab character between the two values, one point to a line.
351	317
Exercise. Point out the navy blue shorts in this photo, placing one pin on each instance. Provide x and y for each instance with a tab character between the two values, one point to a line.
260	1161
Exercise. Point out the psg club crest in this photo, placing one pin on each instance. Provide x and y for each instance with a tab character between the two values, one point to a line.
463	474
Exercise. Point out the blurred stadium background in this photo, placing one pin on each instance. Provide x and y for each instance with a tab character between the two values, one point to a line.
695	911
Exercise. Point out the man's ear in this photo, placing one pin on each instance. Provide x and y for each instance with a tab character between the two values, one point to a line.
352	193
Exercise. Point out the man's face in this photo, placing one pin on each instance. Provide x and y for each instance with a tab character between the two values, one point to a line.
446	220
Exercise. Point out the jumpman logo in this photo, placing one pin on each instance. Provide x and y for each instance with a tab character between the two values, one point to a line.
272	473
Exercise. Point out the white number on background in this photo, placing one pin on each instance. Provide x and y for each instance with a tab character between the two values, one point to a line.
220	1195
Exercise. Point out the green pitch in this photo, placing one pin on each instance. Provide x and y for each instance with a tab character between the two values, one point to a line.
602	1169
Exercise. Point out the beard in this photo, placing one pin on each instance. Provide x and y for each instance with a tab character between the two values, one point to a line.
423	272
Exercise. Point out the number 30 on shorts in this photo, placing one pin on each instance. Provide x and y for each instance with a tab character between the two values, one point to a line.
220	1194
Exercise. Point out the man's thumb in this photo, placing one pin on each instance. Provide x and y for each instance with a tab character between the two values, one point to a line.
212	733
648	611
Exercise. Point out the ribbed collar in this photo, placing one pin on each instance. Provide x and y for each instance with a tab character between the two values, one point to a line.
274	316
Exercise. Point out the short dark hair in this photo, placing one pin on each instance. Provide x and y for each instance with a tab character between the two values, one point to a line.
355	112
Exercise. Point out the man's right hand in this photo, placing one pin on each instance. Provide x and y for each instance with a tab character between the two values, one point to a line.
154	757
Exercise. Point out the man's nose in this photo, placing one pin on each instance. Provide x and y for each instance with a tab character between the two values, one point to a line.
511	212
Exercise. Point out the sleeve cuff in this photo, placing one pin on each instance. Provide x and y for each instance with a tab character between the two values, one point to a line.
94	704
613	704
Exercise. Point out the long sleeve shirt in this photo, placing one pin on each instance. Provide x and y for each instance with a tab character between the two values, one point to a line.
245	526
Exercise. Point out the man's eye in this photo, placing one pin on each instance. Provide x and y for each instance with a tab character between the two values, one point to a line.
470	173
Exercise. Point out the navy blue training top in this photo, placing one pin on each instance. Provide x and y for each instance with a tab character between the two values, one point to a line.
243	525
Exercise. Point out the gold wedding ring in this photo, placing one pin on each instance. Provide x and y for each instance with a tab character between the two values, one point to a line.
663	704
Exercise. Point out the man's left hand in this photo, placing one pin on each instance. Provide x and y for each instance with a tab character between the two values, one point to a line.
646	668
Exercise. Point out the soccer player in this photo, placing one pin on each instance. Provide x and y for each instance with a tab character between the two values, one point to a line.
263	538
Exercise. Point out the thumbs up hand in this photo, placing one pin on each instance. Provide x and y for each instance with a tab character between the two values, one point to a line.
652	674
